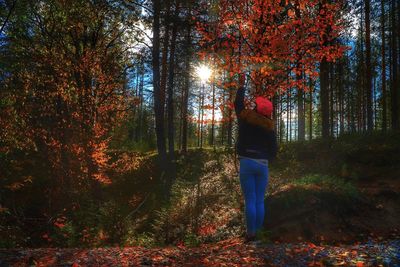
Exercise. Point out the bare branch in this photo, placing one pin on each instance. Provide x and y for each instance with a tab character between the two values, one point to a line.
8	16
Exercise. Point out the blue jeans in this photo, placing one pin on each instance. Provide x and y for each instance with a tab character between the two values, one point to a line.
253	181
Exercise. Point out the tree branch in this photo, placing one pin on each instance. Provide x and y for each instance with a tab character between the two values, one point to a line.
8	16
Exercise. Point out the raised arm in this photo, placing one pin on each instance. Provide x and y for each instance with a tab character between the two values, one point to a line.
239	100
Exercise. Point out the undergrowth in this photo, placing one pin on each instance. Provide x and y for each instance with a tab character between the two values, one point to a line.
206	203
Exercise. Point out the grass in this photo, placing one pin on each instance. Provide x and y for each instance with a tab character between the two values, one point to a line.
321	175
330	183
351	156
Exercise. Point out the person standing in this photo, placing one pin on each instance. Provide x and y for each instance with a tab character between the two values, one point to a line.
256	146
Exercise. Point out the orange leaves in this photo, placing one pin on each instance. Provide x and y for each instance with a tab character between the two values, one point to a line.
15	186
228	84
126	162
3	209
268	33
100	158
207	230
311	73
311	245
46	237
102	178
231	105
18	185
60	222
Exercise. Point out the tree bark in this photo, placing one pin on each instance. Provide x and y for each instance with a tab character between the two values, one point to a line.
383	74
311	109
230	123
185	93
301	120
368	74
288	128
139	131
361	81
159	95
202	114
331	82
324	94
8	16
212	143
341	94
394	84
324	90
170	103
199	119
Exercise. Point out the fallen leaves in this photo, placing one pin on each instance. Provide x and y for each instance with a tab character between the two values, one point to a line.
229	252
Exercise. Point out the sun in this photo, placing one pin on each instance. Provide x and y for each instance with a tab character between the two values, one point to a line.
203	72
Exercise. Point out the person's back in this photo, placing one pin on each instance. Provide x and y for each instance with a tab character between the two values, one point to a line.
254	140
256	146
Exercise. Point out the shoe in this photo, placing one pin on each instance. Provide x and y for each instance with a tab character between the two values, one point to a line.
249	238
256	243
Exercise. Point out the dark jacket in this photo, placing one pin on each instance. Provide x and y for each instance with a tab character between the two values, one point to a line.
253	141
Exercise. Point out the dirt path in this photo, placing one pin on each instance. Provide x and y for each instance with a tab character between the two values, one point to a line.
231	252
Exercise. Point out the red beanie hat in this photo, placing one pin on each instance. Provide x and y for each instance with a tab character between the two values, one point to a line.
264	106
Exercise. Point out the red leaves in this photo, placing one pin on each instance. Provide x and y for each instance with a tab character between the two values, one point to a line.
70	97
268	40
207	230
311	245
46	237
60	222
231	105
229	252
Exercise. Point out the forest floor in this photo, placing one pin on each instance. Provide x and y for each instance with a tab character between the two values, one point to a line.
230	252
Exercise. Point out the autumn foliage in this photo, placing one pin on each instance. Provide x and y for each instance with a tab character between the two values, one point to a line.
278	43
64	93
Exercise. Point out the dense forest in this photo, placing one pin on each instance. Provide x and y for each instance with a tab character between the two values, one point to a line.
106	104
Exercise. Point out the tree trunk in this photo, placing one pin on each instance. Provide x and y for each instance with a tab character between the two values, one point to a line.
341	94
324	94
394	84
383	79
360	91
301	119
287	115
368	74
202	114
301	116
158	94
324	90
311	109
170	104
331	79
230	124
199	119
185	95
213	113
139	131
165	50
281	122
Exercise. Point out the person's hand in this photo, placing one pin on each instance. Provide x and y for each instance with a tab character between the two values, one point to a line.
242	79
